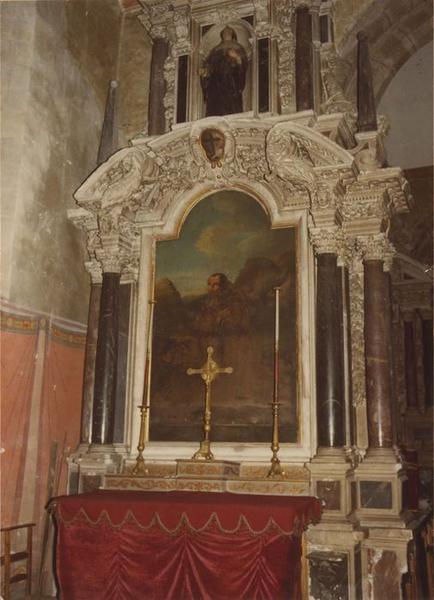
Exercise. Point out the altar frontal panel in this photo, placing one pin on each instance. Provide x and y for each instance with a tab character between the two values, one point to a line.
215	287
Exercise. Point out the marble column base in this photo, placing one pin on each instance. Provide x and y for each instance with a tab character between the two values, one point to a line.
88	466
379	479
335	563
384	561
332	480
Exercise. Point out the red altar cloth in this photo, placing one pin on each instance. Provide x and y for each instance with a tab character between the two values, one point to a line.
118	545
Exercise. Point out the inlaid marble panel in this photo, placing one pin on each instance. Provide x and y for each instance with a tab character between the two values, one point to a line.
376	494
328	576
330	493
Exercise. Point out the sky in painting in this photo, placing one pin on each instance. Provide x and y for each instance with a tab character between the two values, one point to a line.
219	235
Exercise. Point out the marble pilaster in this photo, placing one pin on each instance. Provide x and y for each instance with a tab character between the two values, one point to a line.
89	363
157	86
378	391
303	60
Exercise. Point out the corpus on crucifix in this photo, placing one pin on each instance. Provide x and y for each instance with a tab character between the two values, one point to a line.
208	372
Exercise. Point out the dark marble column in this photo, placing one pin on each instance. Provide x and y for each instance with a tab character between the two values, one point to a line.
377	355
303	60
329	364
125	293
427	344
410	364
344	292
157	84
106	362
367	114
89	363
316	58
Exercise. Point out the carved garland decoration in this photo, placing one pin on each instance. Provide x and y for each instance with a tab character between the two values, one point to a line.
357	312
300	168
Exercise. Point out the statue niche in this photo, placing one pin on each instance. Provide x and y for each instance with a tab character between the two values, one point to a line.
223	76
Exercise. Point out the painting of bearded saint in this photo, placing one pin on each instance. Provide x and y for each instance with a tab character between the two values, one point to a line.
215	287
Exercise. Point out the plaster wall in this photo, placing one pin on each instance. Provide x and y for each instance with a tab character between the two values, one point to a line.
133	72
57	59
408	103
347	13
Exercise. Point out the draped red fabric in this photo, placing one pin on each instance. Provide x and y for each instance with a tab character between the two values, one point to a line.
180	545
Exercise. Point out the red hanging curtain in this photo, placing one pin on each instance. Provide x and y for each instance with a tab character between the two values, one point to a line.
180	545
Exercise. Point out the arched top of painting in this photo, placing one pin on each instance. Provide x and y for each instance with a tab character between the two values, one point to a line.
229	199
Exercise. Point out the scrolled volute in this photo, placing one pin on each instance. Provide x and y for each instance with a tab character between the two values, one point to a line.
122	179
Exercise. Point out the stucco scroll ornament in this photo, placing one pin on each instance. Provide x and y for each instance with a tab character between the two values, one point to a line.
212	147
289	159
119	181
369	153
332	73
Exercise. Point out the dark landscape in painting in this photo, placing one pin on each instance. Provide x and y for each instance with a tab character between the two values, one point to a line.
215	287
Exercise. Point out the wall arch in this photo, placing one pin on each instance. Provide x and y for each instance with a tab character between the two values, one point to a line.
396	29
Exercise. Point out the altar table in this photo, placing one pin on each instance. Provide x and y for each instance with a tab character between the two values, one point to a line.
119	545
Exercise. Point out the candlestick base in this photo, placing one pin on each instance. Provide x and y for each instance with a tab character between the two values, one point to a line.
140	466
276	471
204	452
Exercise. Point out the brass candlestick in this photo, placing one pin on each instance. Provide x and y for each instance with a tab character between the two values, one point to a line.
276	469
208	372
140	468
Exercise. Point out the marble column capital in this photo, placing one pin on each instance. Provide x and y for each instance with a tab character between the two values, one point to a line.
372	199
375	247
119	242
110	261
156	18
94	268
326	240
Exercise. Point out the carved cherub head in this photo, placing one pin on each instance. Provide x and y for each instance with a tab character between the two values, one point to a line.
213	144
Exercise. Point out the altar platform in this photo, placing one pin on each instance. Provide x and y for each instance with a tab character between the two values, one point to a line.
175	545
212	476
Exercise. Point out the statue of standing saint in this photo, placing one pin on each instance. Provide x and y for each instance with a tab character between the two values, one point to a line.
224	76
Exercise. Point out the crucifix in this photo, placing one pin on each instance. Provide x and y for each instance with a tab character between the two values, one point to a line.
208	372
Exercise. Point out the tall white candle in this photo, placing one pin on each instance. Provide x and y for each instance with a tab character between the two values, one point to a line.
277	323
276	345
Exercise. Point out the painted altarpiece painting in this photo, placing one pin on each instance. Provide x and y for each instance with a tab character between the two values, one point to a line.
214	286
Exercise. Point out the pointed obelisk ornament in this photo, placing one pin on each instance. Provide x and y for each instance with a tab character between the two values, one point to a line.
276	469
208	372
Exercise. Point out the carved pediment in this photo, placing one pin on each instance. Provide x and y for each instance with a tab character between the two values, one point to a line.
149	177
303	144
122	180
